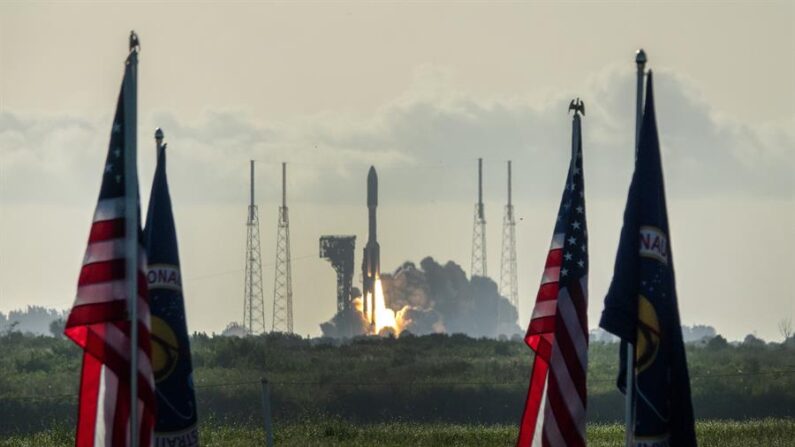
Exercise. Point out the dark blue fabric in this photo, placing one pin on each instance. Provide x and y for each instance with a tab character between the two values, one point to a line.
113	178
641	304
176	403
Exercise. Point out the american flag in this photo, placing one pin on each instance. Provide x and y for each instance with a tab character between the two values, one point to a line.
554	413
99	321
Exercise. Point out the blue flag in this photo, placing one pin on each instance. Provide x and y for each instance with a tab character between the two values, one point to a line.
641	305
171	359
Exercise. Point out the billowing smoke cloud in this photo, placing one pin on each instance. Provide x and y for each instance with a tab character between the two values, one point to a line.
440	298
436	298
347	323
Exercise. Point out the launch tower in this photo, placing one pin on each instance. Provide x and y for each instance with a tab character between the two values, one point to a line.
479	231
339	252
282	278
253	299
508	283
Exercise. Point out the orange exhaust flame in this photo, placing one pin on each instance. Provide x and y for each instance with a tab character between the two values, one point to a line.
384	316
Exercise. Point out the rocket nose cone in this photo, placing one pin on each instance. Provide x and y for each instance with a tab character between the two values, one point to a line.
372	187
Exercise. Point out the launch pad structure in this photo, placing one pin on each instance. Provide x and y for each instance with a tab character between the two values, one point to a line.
339	250
479	267
282	277
253	299
508	278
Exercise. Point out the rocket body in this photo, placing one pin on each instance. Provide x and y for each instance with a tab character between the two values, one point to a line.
371	261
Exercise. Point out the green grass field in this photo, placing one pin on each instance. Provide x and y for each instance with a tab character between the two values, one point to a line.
762	433
435	390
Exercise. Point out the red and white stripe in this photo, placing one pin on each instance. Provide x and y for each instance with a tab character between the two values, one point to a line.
556	402
99	323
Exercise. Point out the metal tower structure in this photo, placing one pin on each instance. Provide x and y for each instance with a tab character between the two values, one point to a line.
339	252
282	278
508	283
479	231
253	298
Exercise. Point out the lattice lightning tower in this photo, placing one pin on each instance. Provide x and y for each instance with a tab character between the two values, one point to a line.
479	231
253	298
508	282
282	280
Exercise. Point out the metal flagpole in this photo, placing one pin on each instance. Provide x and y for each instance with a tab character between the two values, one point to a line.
640	60
131	223
629	394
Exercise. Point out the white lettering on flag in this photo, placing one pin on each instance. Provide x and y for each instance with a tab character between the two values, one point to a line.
653	244
163	276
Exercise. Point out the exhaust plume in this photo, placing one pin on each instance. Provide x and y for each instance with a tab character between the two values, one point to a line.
437	298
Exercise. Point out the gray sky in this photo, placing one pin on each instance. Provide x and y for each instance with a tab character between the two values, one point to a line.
421	91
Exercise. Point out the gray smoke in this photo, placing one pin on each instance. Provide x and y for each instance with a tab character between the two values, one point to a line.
436	298
347	323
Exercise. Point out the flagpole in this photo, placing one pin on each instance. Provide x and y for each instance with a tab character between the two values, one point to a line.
629	393
131	224
640	61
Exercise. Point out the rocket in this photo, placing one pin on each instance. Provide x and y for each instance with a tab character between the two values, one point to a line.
371	261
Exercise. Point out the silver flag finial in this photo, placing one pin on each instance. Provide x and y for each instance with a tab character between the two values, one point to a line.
640	57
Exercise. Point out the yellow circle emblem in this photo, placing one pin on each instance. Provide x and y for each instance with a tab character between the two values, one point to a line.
648	343
165	349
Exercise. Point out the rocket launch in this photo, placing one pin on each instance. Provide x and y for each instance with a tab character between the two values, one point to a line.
425	299
371	262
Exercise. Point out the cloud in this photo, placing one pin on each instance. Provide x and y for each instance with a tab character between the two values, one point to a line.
44	158
424	143
706	154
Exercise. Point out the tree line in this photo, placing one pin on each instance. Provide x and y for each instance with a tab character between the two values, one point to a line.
446	378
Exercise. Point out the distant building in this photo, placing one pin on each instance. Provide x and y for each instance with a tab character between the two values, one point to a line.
698	333
234	329
600	335
691	334
32	320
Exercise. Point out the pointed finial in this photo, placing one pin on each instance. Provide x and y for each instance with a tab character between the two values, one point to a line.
640	57
135	43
